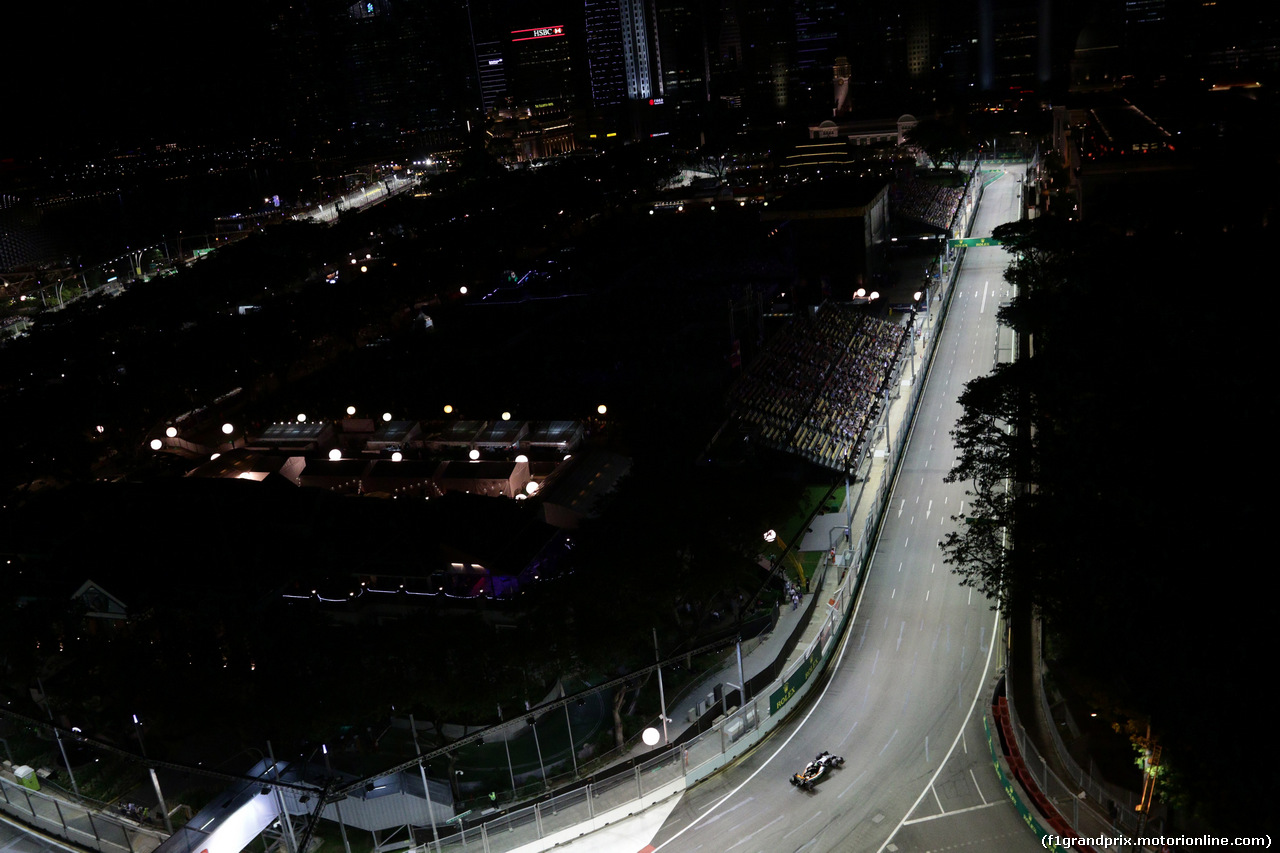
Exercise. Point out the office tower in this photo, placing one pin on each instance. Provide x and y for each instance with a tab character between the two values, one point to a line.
605	66
684	77
542	70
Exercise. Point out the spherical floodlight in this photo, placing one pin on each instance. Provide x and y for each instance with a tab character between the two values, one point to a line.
770	535
875	294
302	418
386	417
335	454
917	296
522	458
531	487
474	455
521	496
463	290
156	444
568	456
172	432
363	268
602	408
100	429
351	410
506	416
651	736
227	429
448	410
397	456
860	292
214	456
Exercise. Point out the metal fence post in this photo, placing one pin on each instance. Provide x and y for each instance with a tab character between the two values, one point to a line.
591	811
537	818
97	838
61	817
639	790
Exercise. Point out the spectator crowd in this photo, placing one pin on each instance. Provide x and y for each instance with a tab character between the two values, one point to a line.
819	385
929	203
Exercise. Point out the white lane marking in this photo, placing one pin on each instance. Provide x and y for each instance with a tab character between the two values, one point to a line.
758	831
975	784
977	694
947	814
930	508
729	810
889	741
802	823
843	739
937	799
850	785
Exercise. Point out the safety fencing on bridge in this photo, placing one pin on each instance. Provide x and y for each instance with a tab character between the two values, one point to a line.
86	826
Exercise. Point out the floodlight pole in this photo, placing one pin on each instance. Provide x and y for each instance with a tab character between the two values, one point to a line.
431	812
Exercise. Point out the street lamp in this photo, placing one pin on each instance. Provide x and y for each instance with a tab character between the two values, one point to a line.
227	430
155	780
342	827
533	724
431	812
662	696
772	535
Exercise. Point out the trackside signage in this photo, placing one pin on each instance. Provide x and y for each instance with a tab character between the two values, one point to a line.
780	697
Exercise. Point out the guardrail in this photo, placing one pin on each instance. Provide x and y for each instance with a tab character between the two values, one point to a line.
80	825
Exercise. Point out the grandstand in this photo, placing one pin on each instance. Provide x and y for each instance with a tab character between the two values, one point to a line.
926	202
817	387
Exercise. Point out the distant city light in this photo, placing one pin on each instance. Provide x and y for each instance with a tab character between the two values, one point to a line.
448	410
386	417
506	416
351	410
602	408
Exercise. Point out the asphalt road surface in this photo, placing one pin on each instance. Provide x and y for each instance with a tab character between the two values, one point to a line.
914	674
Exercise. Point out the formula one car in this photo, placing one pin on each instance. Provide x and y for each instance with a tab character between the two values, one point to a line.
815	769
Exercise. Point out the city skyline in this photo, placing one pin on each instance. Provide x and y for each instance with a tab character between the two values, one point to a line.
356	73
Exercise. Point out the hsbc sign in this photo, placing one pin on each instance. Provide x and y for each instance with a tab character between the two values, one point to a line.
537	33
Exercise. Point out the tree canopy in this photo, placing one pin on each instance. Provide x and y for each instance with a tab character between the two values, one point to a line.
1121	435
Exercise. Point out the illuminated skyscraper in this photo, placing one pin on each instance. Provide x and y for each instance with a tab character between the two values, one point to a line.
541	66
605	65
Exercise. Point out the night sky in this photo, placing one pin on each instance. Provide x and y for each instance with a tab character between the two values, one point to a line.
128	71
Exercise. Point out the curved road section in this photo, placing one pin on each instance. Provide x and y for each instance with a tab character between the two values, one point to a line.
904	700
